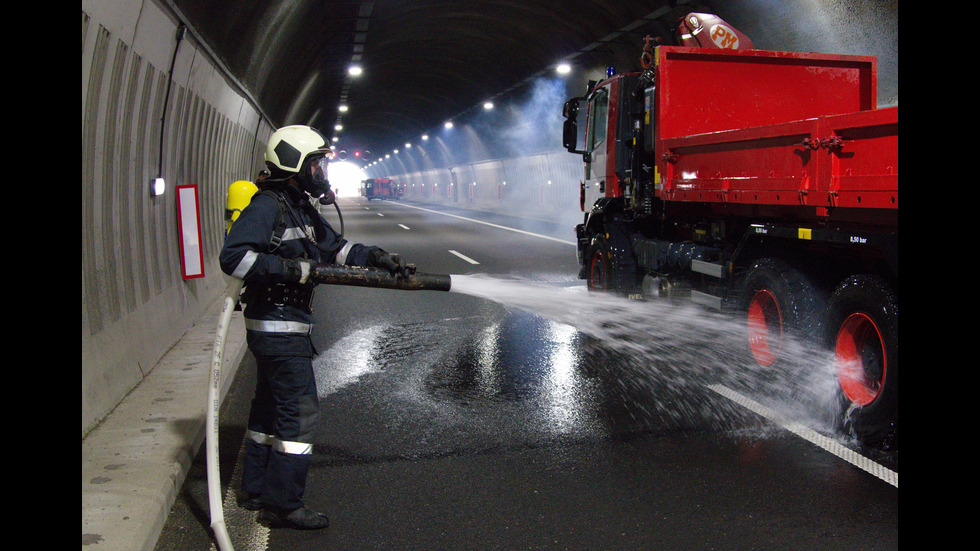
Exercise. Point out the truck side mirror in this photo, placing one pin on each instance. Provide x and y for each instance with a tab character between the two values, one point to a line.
569	134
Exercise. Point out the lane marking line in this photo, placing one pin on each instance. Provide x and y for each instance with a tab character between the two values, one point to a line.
464	257
811	436
404	227
565	241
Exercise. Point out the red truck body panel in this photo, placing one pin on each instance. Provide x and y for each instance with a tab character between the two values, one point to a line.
773	129
702	90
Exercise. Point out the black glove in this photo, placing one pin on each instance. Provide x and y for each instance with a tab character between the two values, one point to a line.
296	270
378	258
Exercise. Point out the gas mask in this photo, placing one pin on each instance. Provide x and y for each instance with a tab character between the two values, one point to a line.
312	179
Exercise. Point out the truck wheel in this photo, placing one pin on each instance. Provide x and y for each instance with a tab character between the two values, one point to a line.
779	304
609	263
598	265
863	325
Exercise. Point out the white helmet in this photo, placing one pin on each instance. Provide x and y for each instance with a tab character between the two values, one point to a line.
290	146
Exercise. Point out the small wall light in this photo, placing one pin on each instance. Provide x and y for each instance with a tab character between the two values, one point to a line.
157	187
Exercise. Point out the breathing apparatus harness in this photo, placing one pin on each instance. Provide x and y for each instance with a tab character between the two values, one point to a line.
316	187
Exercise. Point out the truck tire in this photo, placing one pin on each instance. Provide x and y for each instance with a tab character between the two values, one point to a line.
863	332
608	267
779	304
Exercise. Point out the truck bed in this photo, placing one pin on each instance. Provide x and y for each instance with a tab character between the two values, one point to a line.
773	130
848	160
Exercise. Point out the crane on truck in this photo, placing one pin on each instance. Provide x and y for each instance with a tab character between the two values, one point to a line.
757	182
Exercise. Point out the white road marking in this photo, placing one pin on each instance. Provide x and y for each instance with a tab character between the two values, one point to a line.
567	242
379	214
404	227
811	436
464	257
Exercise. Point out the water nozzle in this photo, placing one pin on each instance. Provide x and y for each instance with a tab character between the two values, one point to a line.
333	274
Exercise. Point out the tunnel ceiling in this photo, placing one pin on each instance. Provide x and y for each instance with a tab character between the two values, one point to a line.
424	61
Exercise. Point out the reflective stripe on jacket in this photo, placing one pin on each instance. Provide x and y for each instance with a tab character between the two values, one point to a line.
246	255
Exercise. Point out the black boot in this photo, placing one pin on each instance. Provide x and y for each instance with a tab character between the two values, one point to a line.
249	501
302	518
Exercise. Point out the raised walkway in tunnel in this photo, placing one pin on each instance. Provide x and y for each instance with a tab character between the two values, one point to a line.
135	461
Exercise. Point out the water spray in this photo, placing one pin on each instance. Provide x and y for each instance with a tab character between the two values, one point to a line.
328	274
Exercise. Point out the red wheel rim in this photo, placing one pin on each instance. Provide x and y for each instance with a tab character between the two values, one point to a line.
859	357
597	272
765	327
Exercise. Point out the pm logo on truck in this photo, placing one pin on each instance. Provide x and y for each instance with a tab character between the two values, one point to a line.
724	37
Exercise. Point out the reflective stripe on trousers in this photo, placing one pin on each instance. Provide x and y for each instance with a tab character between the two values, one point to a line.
278	326
285	446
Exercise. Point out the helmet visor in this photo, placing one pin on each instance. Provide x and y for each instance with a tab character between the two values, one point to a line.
318	170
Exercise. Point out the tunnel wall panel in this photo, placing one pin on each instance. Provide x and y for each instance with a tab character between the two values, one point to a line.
135	302
542	187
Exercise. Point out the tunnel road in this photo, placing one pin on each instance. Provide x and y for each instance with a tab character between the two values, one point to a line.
453	422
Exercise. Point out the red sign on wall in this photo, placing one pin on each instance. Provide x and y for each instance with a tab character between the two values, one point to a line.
189	223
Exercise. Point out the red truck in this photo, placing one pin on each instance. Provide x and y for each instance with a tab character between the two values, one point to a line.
757	182
382	188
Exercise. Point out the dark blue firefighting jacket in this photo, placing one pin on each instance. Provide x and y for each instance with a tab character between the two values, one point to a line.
272	305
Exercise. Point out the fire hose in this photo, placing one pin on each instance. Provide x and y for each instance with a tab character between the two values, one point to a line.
328	274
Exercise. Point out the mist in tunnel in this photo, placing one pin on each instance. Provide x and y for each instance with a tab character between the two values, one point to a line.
527	123
505	155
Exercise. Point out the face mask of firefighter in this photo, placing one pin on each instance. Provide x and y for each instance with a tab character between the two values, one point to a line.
313	180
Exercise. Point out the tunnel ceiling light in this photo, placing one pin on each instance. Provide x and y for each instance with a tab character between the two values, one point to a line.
425	137
488	105
342	108
563	68
354	70
338	127
407	145
449	124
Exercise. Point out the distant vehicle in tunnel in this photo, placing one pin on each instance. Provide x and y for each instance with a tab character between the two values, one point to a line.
757	182
382	188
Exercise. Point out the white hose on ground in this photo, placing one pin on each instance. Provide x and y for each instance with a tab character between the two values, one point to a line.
214	404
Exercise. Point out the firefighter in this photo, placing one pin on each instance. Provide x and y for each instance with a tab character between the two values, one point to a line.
271	248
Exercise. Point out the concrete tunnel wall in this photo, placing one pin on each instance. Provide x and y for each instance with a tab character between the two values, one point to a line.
543	186
135	302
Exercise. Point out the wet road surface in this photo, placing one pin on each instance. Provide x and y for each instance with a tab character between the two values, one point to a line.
454	422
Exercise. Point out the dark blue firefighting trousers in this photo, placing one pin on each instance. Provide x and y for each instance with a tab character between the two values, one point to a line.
283	420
